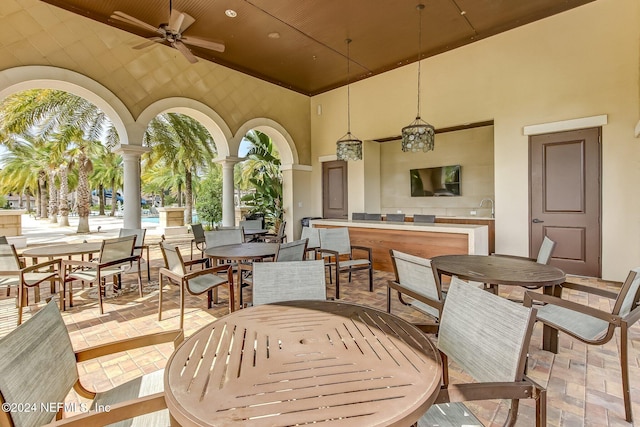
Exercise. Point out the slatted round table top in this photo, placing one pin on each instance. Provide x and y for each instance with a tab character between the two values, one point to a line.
498	270
60	250
303	362
241	251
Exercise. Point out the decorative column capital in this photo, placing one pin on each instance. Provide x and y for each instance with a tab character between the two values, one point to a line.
228	160
131	150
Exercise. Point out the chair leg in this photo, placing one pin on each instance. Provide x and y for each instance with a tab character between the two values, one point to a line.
541	408
182	285
388	299
20	300
624	368
210	298
337	283
160	296
101	287
371	279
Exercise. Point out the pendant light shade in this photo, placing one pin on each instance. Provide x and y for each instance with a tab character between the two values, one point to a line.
418	135
348	147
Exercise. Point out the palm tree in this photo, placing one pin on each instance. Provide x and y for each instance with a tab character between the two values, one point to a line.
79	122
24	167
108	173
184	146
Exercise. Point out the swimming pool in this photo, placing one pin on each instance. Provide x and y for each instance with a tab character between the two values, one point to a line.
156	220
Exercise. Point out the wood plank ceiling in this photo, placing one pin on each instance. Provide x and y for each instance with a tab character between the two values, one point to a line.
306	51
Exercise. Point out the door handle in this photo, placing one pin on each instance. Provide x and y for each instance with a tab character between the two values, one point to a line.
537	221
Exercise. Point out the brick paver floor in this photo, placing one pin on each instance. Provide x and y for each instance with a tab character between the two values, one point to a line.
583	382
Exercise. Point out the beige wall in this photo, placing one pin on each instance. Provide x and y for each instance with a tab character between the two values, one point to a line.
472	149
579	63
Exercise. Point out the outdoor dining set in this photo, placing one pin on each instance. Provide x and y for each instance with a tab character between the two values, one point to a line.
290	353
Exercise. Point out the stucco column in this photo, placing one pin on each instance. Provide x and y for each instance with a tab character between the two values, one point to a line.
131	183
228	208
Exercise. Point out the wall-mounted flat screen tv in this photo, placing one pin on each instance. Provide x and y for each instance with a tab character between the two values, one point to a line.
437	181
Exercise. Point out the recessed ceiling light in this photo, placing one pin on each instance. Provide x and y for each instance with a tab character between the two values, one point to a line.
274	35
231	13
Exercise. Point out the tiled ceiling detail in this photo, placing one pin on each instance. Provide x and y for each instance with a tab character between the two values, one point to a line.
35	33
310	54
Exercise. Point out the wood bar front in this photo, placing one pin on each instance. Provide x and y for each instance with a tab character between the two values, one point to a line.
425	240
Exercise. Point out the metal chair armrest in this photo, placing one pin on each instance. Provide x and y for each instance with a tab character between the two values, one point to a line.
117	412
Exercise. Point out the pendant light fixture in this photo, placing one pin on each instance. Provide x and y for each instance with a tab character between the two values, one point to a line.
349	147
419	135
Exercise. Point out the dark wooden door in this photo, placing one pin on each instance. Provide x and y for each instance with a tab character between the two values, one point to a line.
566	198
334	190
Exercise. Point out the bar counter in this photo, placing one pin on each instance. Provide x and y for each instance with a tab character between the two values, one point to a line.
425	240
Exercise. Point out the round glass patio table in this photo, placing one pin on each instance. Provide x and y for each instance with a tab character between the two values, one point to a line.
303	362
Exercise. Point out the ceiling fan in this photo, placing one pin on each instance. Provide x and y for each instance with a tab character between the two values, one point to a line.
171	33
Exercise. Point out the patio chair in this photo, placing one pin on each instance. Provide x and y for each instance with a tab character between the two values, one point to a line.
13	273
114	254
593	325
335	244
251	224
424	218
544	253
357	216
313	237
395	217
198	239
137	251
373	217
228	236
39	366
416	279
488	338
543	257
196	282
278	237
286	252
288	281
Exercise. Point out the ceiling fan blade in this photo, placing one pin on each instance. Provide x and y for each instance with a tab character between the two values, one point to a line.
185	51
121	16
187	21
207	44
151	41
175	20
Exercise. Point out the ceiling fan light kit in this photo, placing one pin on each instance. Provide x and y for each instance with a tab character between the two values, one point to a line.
171	33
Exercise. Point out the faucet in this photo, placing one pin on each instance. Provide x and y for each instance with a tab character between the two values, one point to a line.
493	212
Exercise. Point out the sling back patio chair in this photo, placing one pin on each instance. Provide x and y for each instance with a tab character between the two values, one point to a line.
286	252
141	250
198	239
335	244
395	217
39	367
488	338
373	217
544	253
425	219
415	279
543	257
288	281
195	282
313	237
278	237
13	273
593	325
114	255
